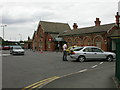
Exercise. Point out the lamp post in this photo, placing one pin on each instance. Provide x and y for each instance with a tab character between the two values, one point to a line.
3	29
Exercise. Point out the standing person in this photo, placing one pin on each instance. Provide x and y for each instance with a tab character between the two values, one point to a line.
58	46
64	52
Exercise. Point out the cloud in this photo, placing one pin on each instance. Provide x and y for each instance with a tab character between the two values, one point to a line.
23	16
15	14
60	1
12	31
119	7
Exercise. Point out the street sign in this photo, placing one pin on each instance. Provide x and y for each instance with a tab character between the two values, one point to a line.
50	39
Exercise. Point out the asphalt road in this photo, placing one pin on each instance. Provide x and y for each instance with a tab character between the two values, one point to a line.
21	71
100	76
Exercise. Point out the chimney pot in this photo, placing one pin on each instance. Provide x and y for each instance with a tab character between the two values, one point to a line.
75	26
117	19
97	22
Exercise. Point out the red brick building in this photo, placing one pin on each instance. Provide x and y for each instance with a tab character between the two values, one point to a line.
91	36
50	34
46	36
34	41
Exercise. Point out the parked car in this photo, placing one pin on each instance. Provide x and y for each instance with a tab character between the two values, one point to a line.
6	48
17	50
91	52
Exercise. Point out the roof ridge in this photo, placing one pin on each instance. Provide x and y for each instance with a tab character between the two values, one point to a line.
92	29
53	22
95	26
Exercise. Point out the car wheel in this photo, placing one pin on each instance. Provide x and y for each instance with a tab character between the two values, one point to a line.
109	58
81	59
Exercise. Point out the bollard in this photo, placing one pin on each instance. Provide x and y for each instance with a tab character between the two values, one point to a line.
41	51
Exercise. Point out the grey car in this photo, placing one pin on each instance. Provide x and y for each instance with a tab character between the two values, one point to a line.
17	50
91	52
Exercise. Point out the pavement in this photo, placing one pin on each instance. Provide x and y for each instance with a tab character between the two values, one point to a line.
93	78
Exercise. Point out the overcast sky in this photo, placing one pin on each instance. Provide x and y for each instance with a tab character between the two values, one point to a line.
22	16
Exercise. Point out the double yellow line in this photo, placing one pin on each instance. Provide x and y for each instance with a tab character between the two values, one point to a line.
40	83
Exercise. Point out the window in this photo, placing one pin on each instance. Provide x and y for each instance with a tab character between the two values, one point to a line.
89	43
41	45
96	50
49	44
98	43
87	50
78	49
41	35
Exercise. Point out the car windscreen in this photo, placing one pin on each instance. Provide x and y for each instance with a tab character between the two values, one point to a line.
17	47
78	48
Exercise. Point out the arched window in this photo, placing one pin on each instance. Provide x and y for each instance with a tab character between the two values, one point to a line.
41	44
49	44
87	41
69	42
98	41
77	41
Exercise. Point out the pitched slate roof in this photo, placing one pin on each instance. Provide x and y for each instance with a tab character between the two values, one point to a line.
34	35
87	30
54	27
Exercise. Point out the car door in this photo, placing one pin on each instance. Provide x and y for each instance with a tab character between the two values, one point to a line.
88	53
98	53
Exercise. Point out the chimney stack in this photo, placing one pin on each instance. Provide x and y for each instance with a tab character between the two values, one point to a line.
117	19
97	22
28	38
75	26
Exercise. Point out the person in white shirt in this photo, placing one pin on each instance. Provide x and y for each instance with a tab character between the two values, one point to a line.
64	52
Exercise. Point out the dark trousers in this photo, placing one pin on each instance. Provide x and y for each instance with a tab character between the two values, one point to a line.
64	55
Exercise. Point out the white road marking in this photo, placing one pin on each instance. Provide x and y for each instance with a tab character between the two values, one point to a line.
73	73
101	62
94	66
83	70
4	54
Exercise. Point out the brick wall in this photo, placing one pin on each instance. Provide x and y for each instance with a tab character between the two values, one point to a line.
43	41
50	44
99	40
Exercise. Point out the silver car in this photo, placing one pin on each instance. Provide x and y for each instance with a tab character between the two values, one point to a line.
17	50
91	52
